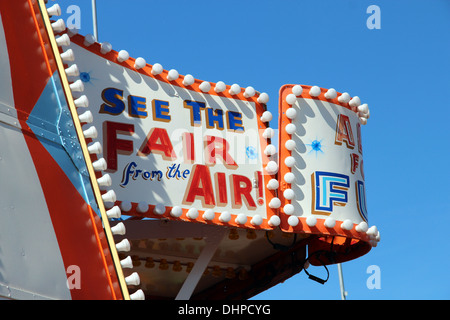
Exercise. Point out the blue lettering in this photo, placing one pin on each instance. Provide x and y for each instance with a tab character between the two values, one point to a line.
127	171
196	118
159	112
214	118
137	106
234	121
113	101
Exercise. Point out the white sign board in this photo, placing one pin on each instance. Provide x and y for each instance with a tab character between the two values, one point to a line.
177	147
321	160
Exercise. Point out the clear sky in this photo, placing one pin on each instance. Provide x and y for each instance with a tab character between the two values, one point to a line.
402	70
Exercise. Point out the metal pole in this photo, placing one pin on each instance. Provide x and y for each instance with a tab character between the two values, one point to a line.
94	19
212	243
341	282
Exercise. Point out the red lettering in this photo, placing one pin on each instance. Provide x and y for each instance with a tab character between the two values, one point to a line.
216	146
358	133
158	141
221	187
260	181
344	132
114	145
188	147
242	187
200	185
354	162
362	168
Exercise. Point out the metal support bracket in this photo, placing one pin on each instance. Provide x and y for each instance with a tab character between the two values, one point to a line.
213	239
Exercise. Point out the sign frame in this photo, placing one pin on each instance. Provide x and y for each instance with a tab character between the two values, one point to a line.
307	222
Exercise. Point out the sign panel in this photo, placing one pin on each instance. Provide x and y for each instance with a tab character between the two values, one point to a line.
321	161
175	146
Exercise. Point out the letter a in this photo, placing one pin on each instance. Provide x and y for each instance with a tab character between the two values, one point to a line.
374	21
74	280
158	141
344	132
200	185
74	20
374	281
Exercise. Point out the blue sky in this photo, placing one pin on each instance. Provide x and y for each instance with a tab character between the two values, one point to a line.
401	70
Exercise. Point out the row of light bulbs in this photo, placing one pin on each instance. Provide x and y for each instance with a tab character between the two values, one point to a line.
173	75
177	266
94	148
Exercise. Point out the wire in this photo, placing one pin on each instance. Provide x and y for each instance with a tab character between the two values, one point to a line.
329	255
281	247
313	277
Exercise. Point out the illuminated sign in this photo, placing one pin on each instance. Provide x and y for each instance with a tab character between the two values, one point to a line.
175	146
321	160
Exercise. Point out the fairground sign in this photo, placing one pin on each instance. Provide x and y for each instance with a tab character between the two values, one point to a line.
322	185
175	146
